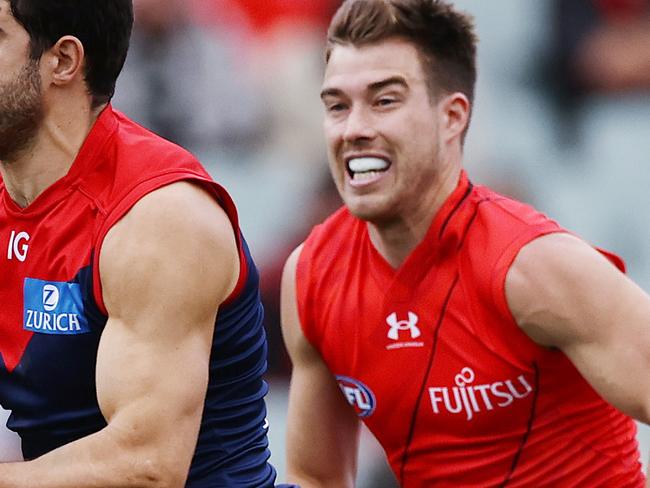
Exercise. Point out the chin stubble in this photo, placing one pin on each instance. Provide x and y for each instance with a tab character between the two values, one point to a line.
21	111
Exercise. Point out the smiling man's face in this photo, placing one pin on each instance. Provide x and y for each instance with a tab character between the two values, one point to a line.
382	129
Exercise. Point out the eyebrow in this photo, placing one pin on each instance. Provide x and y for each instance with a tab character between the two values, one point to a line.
393	80
373	87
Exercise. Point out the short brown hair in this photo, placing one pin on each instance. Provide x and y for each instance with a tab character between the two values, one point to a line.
443	36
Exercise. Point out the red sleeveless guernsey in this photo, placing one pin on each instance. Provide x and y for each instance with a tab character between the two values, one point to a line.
432	360
52	314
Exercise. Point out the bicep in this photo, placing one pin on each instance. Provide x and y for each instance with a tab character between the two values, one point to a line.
322	429
565	294
151	390
165	268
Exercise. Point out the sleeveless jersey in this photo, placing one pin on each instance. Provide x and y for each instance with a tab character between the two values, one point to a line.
433	362
52	313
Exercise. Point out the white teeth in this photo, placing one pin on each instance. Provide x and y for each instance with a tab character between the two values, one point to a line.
366	175
362	165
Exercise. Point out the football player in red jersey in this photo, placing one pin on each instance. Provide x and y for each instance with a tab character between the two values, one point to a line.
480	342
120	257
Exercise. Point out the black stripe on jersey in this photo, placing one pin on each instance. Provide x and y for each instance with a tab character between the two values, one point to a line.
409	439
470	187
471	220
432	354
529	427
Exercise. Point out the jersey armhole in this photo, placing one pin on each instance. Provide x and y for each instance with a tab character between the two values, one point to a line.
134	194
500	271
613	258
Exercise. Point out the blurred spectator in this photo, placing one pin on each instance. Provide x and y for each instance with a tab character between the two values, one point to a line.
602	59
602	47
601	52
287	41
188	82
264	14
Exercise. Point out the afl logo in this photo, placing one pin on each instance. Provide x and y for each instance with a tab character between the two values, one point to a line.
50	297
358	395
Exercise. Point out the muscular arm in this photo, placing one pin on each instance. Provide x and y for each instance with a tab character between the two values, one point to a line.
565	294
322	429
165	268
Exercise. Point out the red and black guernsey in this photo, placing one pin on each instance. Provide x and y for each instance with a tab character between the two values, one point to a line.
432	360
52	313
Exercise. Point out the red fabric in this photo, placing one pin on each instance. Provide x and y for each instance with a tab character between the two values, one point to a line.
485	404
622	9
263	14
118	164
138	164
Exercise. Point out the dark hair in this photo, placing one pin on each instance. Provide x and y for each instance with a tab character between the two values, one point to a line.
102	26
444	37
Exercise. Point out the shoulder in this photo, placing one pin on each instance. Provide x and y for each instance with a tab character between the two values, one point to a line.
553	278
330	247
128	159
181	210
175	236
331	236
291	322
497	229
503	212
292	263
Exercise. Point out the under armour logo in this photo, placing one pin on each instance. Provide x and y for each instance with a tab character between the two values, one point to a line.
397	325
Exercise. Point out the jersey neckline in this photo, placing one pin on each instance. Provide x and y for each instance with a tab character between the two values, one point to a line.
100	132
438	238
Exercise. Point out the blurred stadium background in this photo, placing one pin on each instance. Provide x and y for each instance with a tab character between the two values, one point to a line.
562	120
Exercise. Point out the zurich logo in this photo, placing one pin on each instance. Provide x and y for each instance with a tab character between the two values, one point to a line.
358	395
53	307
50	297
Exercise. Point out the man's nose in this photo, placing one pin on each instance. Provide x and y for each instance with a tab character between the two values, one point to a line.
358	125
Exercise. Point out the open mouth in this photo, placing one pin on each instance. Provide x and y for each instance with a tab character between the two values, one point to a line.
366	168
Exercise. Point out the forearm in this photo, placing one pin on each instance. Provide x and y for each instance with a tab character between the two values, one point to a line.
99	460
322	459
322	448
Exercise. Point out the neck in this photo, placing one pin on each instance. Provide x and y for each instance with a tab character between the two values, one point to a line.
396	238
50	155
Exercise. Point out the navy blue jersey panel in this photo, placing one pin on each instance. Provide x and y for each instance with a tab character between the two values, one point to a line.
52	391
232	450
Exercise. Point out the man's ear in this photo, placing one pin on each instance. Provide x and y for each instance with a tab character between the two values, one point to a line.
64	61
456	109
